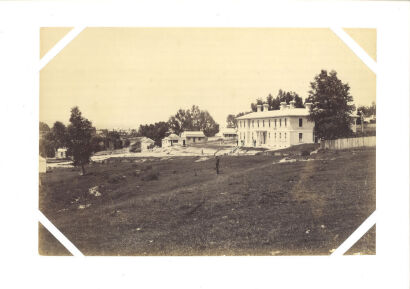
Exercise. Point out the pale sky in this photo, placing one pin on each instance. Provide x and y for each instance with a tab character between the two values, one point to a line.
124	77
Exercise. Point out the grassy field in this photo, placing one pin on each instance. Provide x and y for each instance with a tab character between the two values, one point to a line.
179	206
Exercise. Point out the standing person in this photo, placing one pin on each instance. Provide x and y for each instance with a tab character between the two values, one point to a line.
217	164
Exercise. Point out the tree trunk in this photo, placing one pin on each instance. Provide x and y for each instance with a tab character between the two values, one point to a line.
82	169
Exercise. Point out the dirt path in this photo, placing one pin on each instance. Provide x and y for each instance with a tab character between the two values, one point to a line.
300	193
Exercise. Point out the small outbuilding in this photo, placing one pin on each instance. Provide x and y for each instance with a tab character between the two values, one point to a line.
228	133
140	144
61	153
171	140
192	137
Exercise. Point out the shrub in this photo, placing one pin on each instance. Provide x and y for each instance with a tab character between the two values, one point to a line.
150	176
114	179
47	149
147	168
305	153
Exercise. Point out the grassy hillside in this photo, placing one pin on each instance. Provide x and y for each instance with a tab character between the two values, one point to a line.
179	206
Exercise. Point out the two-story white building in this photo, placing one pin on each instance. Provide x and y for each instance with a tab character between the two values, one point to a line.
279	128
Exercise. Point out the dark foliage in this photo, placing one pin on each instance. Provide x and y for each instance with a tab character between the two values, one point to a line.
47	149
156	131
52	139
367	111
331	109
282	96
44	127
80	132
193	119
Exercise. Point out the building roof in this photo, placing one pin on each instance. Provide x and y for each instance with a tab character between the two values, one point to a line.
193	134
172	137
228	130
276	113
141	139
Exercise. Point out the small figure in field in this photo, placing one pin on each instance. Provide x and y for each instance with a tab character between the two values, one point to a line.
217	164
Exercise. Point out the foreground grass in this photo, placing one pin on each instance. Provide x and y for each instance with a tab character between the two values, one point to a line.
177	206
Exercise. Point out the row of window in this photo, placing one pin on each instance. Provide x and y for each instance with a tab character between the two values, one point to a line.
258	122
242	136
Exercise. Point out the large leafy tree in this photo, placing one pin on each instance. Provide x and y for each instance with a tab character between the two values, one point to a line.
193	119
207	124
181	121
80	132
47	149
156	131
52	139
331	106
59	134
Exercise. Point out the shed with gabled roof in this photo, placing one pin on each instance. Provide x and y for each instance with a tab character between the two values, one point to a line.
140	144
171	140
191	137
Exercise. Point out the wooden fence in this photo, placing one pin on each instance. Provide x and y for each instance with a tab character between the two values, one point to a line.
345	143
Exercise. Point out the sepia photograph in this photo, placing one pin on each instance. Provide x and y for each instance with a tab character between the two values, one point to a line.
206	141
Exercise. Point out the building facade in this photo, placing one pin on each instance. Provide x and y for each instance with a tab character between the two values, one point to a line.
278	129
61	153
192	137
140	144
171	140
228	133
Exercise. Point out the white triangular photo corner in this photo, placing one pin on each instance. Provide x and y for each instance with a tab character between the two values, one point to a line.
356	48
356	235
58	235
56	49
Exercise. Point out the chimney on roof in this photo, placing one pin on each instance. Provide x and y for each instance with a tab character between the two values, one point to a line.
292	104
259	107
282	105
308	105
265	107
